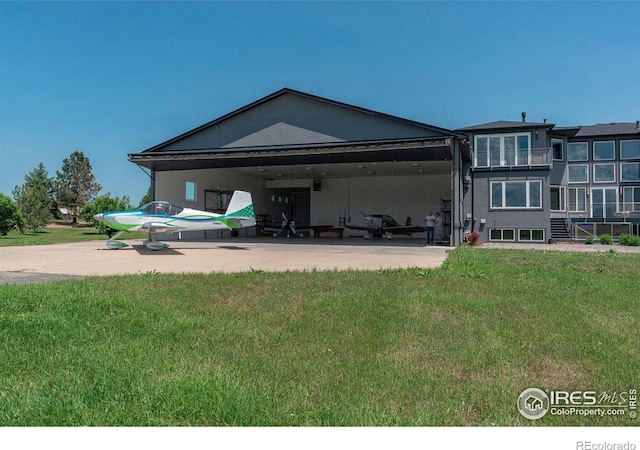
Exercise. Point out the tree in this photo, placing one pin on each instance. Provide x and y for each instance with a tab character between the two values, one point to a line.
35	198
102	204
75	183
10	216
146	199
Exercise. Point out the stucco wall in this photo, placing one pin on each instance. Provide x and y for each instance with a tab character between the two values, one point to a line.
307	120
507	218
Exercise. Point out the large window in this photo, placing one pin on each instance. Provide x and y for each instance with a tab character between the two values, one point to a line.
630	149
579	173
604	202
605	150
630	172
631	198
516	194
604	173
578	151
502	150
578	199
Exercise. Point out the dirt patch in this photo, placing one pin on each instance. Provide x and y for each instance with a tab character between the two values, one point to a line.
62	224
20	277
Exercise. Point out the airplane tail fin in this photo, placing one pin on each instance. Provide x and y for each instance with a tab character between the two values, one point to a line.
240	210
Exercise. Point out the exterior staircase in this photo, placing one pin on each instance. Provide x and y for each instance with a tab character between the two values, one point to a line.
559	230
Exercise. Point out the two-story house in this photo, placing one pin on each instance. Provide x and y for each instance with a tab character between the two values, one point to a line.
536	182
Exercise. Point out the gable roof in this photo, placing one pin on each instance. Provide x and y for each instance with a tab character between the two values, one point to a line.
267	134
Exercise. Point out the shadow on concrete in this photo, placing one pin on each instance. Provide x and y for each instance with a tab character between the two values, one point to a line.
142	250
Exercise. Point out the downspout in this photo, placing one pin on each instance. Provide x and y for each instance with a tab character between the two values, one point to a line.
460	207
454	227
153	185
457	204
473	200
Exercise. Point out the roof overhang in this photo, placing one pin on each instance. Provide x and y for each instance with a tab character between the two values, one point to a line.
417	149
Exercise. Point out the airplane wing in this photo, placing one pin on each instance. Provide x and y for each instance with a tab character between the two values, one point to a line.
361	227
405	230
160	227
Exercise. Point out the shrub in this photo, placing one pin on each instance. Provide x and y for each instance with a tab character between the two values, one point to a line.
623	239
589	240
473	237
627	239
606	239
10	216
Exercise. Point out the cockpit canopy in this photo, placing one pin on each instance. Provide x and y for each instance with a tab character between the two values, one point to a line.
161	208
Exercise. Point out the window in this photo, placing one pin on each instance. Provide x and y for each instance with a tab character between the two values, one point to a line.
604	173
604	202
498	234
630	149
605	150
495	151
630	172
190	191
516	194
533	235
558	198
482	153
577	199
502	150
578	151
556	145
579	173
631	198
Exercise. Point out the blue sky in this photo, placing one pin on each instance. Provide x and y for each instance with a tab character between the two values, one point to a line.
115	78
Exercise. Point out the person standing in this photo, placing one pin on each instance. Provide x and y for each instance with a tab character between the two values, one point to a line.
431	223
438	228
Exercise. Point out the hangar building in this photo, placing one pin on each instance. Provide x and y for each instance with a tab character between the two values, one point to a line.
319	161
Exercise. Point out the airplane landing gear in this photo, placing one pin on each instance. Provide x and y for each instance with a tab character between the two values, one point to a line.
153	244
113	242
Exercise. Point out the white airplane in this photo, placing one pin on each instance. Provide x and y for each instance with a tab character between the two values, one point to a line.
163	217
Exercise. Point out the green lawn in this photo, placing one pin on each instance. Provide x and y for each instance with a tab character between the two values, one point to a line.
448	346
51	236
48	236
